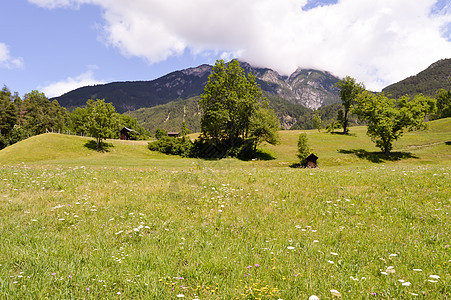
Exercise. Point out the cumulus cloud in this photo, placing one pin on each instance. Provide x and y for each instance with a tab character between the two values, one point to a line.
7	61
377	42
58	88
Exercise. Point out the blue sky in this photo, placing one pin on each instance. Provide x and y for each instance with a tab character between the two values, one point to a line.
58	45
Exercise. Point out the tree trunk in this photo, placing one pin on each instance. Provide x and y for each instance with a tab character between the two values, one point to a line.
345	122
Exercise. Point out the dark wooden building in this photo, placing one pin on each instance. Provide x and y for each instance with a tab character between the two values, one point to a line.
173	134
125	133
311	161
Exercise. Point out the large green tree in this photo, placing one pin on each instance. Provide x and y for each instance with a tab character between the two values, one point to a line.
388	118
102	120
229	100
349	89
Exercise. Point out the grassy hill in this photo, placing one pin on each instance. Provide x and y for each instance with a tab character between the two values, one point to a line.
428	146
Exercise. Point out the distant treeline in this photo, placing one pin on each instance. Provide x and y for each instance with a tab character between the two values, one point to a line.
36	114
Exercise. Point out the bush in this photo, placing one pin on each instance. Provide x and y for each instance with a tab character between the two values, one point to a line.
172	146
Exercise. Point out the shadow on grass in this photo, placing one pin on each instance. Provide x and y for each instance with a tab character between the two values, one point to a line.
378	157
341	133
259	155
448	143
104	147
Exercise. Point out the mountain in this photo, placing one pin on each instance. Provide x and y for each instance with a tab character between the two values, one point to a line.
436	76
308	87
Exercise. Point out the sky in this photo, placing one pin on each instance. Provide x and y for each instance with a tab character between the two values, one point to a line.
55	46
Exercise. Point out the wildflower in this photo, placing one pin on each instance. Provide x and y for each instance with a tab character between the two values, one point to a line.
53	274
406	283
335	293
417	270
333	253
248	267
118	293
180	296
257	265
331	262
434	277
290	247
313	297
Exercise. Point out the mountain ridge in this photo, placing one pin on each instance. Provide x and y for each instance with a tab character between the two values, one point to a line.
308	87
427	82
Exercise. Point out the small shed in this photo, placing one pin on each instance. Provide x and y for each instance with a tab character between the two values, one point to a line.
311	161
125	133
173	134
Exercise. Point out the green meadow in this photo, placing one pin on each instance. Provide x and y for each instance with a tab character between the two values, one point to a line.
129	223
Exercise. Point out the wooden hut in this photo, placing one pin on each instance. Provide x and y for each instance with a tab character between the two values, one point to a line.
125	133
173	134
311	161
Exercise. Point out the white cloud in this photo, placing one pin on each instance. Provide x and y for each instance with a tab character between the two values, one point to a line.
58	88
7	61
377	42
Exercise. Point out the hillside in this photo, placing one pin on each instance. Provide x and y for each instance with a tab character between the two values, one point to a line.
171	115
427	82
423	147
306	87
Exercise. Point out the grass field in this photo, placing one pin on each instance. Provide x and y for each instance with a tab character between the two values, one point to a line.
132	224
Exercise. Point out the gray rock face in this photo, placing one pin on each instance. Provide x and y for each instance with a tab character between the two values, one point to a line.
308	87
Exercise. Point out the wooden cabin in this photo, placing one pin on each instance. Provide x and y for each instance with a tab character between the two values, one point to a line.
125	133
173	134
311	161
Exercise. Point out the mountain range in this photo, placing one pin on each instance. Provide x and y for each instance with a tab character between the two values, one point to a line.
308	87
171	99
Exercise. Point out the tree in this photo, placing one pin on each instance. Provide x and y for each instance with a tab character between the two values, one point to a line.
349	89
388	118
184	130
317	122
8	113
443	103
228	103
102	120
78	120
263	128
41	115
303	148
160	133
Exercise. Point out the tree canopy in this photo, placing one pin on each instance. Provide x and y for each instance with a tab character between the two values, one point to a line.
228	103
388	118
349	89
102	120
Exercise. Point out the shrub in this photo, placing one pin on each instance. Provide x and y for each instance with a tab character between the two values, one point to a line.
172	146
303	148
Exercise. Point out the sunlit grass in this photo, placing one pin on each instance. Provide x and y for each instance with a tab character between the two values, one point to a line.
221	232
134	224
